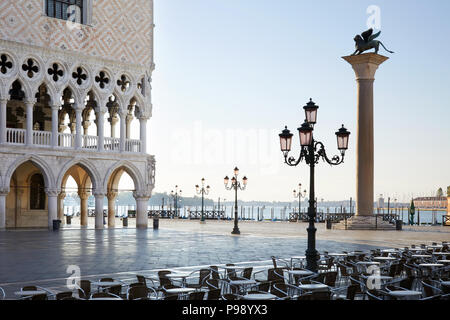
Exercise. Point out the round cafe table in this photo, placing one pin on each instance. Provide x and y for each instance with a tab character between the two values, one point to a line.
259	296
178	275
180	291
405	294
300	273
106	298
107	283
313	286
28	293
445	283
431	265
421	256
444	261
367	262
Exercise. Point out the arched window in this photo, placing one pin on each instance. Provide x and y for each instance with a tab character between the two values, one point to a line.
65	9
37	192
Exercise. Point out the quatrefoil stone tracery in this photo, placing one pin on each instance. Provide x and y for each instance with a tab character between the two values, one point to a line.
123	83
102	79
79	75
5	64
30	68
55	72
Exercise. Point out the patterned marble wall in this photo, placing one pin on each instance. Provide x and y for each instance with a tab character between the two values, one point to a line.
120	30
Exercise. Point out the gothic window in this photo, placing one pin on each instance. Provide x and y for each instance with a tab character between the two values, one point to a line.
37	192
73	10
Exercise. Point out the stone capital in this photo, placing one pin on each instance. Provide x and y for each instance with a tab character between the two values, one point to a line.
365	65
29	102
98	193
4	191
83	195
111	195
51	192
141	196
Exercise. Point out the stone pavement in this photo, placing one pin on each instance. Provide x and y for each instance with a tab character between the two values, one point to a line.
41	257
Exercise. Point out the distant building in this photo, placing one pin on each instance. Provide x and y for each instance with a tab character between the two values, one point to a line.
380	202
431	202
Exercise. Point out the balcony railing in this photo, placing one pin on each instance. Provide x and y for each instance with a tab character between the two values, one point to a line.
132	145
42	138
112	144
67	141
15	136
90	142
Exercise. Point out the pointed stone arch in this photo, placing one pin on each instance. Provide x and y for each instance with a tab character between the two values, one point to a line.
38	162
127	167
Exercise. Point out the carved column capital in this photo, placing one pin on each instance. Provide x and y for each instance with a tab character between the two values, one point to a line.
4	191
52	192
83	195
111	195
141	195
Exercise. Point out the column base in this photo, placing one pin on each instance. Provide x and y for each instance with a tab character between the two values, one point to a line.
202	222
364	223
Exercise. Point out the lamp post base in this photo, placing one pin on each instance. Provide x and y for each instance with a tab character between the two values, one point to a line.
202	222
236	231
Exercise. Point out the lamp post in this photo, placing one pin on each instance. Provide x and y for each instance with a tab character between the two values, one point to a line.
235	185
298	194
312	151
202	191
175	196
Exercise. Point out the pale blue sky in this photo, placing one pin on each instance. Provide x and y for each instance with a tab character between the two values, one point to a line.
244	68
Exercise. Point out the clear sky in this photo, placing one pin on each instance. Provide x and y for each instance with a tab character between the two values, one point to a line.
230	74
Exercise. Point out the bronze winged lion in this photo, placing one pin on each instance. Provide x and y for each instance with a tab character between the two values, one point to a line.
366	41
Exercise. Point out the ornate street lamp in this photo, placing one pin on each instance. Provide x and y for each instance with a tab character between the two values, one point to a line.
312	151
298	194
175	196
202	191
235	185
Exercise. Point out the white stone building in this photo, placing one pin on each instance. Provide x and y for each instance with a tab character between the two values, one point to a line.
59	82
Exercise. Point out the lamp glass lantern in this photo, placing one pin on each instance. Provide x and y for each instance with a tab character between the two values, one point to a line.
342	138
306	134
285	140
311	112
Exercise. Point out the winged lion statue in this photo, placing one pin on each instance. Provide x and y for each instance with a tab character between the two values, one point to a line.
366	41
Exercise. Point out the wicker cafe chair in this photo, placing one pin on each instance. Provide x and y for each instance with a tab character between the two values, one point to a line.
283	290
103	295
63	295
213	294
2	294
349	295
204	274
197	295
229	296
84	291
214	272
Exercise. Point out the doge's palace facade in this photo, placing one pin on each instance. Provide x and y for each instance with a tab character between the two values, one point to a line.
60	83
